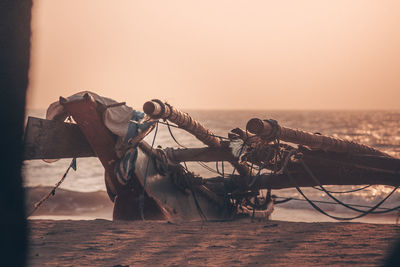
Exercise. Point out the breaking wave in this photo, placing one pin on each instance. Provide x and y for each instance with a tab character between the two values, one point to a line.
66	202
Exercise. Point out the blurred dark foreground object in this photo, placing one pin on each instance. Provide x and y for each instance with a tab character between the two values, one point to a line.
393	259
15	18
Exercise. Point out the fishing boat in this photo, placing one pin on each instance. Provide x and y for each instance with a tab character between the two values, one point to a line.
145	182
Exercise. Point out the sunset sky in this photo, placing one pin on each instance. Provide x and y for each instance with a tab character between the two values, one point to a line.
304	54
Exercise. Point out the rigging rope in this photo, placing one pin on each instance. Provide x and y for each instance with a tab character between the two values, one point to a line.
343	218
283	169
202	164
363	213
344	192
172	135
286	199
196	202
223	169
329	194
53	190
175	126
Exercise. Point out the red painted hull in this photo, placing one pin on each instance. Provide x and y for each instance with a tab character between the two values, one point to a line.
88	115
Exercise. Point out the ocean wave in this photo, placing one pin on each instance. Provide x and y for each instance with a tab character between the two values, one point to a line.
67	202
97	205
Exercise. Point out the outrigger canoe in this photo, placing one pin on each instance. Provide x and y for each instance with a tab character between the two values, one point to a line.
148	183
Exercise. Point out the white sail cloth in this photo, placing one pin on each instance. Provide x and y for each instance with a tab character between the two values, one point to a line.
116	119
121	120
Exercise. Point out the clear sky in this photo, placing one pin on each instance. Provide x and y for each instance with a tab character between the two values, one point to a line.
210	54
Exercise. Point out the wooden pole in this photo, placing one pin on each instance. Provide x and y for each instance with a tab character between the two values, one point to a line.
330	169
327	169
316	159
269	131
157	109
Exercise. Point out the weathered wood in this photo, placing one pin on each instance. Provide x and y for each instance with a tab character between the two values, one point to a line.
48	139
269	131
86	114
331	168
328	168
317	159
156	109
372	163
262	153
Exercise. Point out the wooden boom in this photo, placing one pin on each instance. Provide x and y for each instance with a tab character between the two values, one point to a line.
268	130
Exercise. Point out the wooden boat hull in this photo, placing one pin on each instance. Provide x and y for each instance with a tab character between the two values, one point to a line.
162	198
157	187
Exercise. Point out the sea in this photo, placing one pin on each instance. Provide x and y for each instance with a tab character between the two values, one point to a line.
82	194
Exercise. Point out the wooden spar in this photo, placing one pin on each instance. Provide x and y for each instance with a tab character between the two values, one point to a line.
374	163
156	109
328	168
269	131
159	110
316	159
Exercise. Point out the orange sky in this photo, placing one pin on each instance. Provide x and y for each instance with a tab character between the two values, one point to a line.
219	54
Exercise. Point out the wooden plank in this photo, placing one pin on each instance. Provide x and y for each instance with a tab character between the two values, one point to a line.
47	139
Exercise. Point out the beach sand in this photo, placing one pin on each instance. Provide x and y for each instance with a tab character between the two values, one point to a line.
234	243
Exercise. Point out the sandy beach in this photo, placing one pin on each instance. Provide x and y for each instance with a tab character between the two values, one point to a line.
235	243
